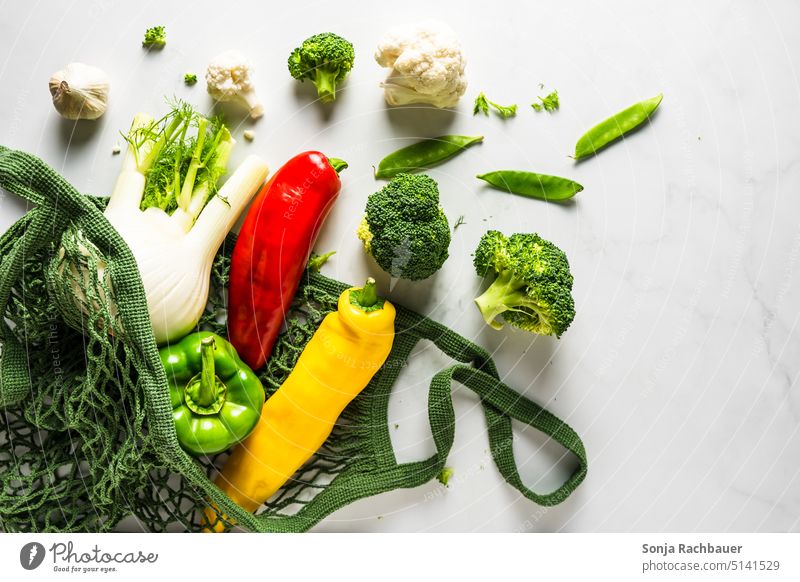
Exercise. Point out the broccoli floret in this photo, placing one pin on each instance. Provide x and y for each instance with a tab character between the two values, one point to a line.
325	59
405	229
190	79
532	286
444	476
155	37
316	261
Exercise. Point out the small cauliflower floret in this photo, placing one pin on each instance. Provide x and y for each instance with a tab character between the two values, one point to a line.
229	77
427	65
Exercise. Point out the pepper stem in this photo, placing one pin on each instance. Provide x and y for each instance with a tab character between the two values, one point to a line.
366	298
369	293
207	393
337	164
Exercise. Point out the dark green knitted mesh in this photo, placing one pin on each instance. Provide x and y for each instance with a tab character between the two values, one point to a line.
86	432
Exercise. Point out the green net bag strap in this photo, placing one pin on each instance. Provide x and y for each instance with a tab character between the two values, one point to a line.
500	403
89	439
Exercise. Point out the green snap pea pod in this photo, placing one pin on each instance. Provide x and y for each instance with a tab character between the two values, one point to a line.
615	127
532	185
424	154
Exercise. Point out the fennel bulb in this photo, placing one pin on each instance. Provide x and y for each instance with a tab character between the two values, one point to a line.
166	206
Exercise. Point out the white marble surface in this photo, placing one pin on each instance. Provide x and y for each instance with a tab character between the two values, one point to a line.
680	371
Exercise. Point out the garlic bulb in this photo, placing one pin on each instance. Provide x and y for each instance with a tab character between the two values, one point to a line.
80	91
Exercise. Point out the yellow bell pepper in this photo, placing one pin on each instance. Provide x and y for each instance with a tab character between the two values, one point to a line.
338	362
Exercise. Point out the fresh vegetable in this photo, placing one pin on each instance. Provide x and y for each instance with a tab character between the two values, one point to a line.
216	398
548	103
190	78
444	476
482	105
613	128
404	228
272	250
155	37
229	77
249	134
427	65
532	185
424	154
186	175
459	221
325	59
532	283
340	359
315	261
80	91
167	207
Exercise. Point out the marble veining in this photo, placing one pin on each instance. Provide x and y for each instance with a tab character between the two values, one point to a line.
681	369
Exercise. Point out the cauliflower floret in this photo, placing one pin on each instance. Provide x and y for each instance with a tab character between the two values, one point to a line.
427	65
229	77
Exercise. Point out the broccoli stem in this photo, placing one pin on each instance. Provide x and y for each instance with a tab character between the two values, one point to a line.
325	81
505	294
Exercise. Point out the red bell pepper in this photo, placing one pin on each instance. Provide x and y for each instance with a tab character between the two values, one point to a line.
272	250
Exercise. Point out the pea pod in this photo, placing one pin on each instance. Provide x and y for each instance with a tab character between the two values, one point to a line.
615	127
532	185
424	154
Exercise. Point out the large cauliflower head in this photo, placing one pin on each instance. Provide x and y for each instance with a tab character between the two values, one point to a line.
427	64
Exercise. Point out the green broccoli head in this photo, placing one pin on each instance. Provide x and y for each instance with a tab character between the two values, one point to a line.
155	37
533	284
405	229
325	59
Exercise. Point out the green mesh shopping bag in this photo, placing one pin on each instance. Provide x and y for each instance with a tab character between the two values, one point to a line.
86	431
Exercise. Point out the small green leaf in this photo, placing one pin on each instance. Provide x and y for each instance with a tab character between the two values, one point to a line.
548	103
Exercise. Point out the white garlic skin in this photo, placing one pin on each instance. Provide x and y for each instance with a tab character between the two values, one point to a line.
80	91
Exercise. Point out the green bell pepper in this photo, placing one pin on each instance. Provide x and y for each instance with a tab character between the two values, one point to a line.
216	398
